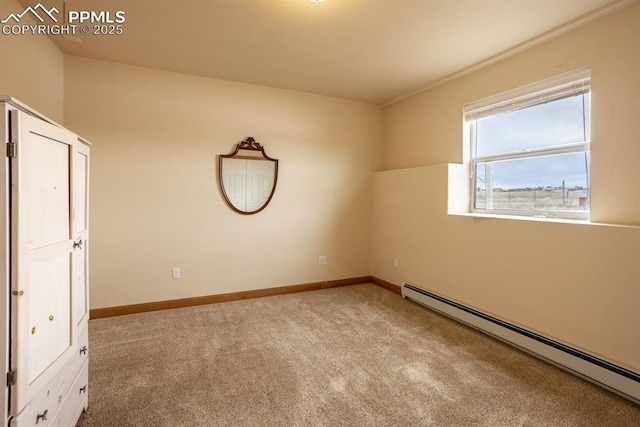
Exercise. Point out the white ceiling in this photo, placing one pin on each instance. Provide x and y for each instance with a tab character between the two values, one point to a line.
368	50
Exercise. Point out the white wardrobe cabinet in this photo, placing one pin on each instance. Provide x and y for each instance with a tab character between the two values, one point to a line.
44	239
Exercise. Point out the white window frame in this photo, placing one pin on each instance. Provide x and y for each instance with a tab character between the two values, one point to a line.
555	88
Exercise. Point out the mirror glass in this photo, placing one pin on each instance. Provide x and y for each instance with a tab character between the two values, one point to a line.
247	177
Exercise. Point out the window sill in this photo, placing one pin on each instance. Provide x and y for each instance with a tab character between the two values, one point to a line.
483	216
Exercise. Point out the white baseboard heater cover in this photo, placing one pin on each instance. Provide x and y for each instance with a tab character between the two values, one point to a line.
615	378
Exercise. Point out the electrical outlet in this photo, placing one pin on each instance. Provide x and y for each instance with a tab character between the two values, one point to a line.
322	260
175	273
395	262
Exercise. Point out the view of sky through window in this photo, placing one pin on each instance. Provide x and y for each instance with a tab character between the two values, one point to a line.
555	123
571	169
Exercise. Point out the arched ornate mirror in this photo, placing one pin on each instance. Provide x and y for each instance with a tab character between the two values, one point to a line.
247	177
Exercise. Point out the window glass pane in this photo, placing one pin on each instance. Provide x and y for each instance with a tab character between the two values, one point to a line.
563	121
548	183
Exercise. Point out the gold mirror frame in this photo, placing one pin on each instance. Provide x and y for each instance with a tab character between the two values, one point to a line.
244	197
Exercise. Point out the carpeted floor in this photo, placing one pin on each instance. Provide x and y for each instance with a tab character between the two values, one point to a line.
353	356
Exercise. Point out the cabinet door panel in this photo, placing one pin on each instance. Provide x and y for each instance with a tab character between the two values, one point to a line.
80	302
48	300
43	332
80	201
80	190
48	190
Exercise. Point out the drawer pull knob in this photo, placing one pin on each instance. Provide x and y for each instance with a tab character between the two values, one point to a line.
42	417
83	389
33	330
51	317
83	350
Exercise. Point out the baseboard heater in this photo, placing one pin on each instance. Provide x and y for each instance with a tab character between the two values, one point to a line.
615	378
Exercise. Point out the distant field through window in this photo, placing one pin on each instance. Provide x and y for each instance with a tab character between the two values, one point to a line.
530	149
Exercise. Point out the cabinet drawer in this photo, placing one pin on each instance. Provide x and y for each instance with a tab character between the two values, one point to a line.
70	370
40	410
49	400
81	353
75	401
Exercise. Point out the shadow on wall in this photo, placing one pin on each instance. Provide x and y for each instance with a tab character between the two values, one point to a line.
574	282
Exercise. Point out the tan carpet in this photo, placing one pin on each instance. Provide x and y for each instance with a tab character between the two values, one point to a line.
352	356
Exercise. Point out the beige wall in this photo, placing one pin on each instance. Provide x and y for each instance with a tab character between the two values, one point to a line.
575	283
155	200
427	129
34	73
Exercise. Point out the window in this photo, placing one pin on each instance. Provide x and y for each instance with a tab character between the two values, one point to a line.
530	149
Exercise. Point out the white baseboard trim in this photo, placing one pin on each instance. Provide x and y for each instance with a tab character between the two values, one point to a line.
615	378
